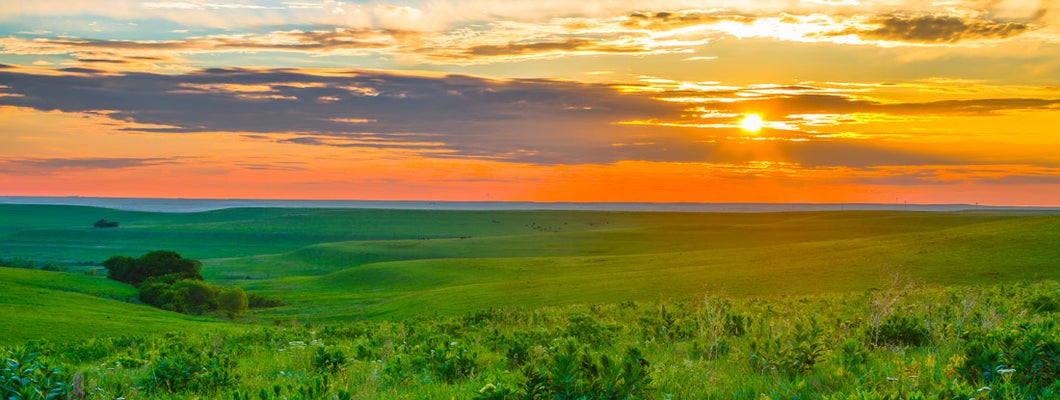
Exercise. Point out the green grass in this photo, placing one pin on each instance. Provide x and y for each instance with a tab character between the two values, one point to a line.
339	264
945	343
64	307
433	304
673	255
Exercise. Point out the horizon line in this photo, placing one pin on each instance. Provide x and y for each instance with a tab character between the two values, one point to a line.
181	204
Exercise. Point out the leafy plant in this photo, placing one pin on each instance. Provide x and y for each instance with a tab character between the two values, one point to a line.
180	368
25	376
328	360
903	330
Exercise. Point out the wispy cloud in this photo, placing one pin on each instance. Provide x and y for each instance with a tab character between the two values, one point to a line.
54	164
434	34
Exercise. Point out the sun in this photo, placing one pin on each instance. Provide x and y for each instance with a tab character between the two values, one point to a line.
751	123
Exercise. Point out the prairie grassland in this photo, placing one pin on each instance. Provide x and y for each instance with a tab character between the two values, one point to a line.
898	342
417	304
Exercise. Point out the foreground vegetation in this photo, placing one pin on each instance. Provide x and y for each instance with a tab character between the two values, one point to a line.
897	342
412	304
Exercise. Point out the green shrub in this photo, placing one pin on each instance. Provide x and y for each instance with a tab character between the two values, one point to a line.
25	376
181	368
1044	303
587	330
448	361
903	330
576	372
183	296
232	302
1028	357
255	300
330	361
791	355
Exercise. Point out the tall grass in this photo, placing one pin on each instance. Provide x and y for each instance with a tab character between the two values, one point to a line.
986	342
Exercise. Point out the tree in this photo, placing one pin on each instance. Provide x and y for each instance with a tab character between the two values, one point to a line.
158	294
105	224
122	269
195	297
232	302
165	262
156	264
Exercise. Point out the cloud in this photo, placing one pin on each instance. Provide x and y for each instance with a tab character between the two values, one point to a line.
436	34
87	163
671	20
336	40
532	121
933	29
1018	174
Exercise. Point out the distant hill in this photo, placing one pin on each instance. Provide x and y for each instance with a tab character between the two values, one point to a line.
200	205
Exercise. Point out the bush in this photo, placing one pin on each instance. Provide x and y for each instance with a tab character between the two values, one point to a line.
180	368
232	302
447	362
184	296
903	330
575	372
24	376
328	360
255	300
195	297
1029	357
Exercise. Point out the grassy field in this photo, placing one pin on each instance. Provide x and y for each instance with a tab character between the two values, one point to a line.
341	264
504	305
65	307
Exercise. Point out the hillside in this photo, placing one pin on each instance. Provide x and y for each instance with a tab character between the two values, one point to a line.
62	306
339	264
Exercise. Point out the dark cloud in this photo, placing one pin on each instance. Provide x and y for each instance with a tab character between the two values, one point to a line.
538	121
936	175
670	20
788	104
569	45
296	40
524	120
934	29
88	163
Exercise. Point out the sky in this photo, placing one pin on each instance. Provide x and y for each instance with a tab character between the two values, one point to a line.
823	101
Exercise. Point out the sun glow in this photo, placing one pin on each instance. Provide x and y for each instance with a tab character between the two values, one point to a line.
751	123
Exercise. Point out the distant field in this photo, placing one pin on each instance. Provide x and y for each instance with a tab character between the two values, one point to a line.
338	264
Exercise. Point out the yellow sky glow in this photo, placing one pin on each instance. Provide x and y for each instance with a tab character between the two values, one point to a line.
717	101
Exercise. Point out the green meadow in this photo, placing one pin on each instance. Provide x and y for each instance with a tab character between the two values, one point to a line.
529	304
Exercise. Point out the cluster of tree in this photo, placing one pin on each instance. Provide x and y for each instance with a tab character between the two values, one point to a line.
171	282
105	224
23	263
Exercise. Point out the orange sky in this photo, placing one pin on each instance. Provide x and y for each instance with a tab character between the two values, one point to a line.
546	101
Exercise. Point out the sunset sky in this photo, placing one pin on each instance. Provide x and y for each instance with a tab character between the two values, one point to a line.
951	101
